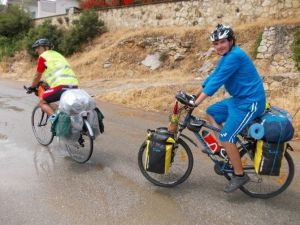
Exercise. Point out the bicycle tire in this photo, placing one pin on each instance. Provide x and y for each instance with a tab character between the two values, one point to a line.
170	179
41	126
77	150
255	187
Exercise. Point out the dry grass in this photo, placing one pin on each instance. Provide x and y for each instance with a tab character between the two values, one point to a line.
127	81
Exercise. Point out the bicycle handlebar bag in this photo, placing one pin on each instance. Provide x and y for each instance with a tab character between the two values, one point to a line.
159	150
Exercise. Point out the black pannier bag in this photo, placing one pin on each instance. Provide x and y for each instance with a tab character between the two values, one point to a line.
268	157
100	119
159	150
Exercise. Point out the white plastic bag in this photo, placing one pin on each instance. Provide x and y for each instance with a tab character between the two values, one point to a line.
75	101
93	121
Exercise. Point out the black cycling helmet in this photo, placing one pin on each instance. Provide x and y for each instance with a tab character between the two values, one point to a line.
222	31
42	42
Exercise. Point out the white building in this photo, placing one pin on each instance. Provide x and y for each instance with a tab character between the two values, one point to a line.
45	8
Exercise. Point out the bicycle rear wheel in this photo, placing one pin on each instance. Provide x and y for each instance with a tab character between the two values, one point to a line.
263	186
41	126
180	169
82	149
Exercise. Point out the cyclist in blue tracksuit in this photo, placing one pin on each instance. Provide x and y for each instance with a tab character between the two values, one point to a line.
237	73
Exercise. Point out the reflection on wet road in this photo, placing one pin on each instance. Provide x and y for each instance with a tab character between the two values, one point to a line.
42	185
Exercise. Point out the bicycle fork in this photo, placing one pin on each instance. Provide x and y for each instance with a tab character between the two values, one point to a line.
89	128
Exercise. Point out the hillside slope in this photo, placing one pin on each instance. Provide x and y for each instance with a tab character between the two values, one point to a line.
111	66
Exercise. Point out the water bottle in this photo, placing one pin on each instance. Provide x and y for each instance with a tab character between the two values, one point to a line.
211	142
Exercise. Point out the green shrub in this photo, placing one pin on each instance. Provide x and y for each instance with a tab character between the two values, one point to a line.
14	24
67	41
9	45
4	47
84	29
46	30
15	36
296	49
253	53
2	8
14	21
88	25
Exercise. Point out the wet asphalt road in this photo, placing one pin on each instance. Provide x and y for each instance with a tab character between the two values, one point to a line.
42	185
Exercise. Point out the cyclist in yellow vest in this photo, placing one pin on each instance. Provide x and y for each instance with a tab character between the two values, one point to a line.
56	72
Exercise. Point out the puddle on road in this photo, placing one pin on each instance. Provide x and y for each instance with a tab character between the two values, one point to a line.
145	202
3	137
44	161
6	106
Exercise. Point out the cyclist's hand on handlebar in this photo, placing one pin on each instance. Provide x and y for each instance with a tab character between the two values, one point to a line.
30	89
192	104
192	101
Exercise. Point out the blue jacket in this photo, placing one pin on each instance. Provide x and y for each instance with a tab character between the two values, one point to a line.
239	76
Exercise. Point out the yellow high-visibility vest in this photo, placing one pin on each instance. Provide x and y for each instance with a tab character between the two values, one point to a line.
58	70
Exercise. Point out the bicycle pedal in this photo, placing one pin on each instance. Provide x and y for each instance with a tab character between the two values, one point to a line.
220	167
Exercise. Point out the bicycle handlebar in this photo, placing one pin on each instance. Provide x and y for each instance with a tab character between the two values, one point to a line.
29	90
35	90
185	99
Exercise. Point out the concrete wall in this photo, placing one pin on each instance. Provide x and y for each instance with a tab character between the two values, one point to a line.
51	8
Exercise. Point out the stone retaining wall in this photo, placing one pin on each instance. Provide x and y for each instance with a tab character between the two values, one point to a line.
275	53
191	13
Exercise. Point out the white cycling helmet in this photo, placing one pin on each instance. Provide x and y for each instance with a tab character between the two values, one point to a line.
221	32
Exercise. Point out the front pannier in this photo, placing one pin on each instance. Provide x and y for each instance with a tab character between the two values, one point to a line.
159	150
268	157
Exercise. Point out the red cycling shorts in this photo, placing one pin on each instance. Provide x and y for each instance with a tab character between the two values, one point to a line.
54	94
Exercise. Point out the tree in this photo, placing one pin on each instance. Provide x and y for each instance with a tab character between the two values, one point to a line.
44	30
87	27
14	21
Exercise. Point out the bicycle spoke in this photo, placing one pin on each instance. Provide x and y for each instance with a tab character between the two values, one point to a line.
80	150
181	167
265	186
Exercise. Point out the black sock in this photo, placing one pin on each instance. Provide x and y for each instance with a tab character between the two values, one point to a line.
240	175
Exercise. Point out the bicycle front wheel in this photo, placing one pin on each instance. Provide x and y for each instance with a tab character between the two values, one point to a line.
263	186
41	126
82	149
180	169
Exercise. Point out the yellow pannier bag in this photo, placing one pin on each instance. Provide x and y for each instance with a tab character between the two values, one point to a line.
268	157
159	150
